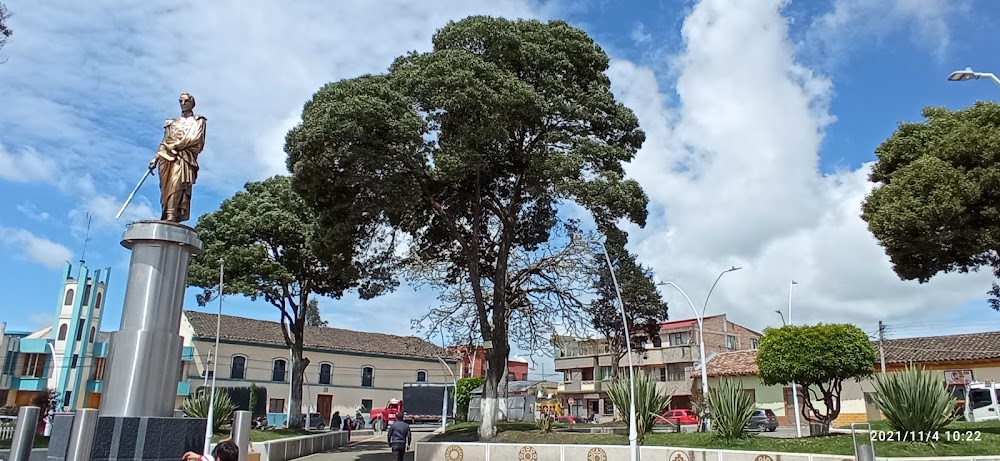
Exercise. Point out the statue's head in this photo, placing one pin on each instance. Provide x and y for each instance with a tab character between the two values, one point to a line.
186	101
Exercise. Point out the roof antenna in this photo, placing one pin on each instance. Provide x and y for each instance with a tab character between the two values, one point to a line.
86	239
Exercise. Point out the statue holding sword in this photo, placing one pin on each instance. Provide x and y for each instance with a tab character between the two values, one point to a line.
176	161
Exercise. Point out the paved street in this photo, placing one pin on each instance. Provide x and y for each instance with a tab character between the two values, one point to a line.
372	448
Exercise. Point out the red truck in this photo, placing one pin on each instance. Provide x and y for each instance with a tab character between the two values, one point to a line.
425	404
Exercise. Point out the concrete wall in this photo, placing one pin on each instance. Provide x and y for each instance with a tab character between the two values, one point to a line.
446	451
297	447
37	454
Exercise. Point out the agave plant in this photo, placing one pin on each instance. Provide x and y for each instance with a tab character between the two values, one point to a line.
731	409
914	400
649	401
196	406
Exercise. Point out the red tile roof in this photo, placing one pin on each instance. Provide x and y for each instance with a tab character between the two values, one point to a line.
737	363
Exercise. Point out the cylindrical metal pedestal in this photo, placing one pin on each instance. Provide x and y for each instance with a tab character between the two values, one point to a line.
241	432
24	433
144	361
81	442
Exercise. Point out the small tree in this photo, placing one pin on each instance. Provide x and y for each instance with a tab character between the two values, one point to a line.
914	401
649	401
253	399
46	401
731	409
819	358
463	394
196	406
313	319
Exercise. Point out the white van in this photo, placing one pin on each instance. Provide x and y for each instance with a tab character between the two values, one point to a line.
982	402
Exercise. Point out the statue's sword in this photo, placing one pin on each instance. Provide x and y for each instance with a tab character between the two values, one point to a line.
130	196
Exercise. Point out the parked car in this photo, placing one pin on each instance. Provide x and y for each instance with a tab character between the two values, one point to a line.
314	421
763	420
682	415
570	419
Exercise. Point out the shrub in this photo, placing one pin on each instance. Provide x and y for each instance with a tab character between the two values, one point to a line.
253	399
8	410
731	409
196	406
649	401
914	400
544	423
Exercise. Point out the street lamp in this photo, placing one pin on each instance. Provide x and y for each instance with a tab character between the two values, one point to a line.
969	74
444	403
633	432
795	386
701	334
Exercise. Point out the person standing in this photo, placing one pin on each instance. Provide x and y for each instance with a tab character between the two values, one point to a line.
399	438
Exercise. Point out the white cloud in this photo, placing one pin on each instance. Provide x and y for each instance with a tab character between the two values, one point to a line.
639	34
733	177
858	22
25	166
32	212
35	248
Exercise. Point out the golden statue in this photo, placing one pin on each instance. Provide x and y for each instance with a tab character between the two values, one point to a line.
176	160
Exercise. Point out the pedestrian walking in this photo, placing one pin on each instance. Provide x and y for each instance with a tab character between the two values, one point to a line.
336	421
226	450
399	439
349	426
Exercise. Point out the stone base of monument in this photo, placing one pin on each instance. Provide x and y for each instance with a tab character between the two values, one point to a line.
132	438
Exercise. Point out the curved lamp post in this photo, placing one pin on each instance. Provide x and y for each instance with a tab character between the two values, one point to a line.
700	317
969	74
795	386
633	433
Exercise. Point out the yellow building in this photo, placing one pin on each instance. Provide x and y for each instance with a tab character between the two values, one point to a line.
348	370
959	359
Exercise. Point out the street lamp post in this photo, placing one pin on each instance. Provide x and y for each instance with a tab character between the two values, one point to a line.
633	432
969	74
701	336
215	365
454	397
795	386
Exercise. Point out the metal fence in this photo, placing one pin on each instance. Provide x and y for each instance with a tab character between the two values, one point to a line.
6	431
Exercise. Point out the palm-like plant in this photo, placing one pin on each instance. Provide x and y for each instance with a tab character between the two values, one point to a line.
649	401
731	409
196	406
914	400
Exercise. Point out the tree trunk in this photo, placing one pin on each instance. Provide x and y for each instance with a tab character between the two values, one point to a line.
299	364
497	359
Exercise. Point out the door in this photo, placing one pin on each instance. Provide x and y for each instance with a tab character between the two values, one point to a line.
982	405
93	401
790	407
324	406
872	412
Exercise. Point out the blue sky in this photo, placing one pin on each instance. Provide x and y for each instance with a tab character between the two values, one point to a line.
761	118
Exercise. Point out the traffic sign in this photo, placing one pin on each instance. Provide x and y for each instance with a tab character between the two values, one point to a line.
571	402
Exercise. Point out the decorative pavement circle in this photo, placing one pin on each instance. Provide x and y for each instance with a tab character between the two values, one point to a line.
453	453
597	454
763	458
678	456
527	454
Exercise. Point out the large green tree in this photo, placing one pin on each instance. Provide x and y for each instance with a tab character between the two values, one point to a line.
265	236
644	305
468	151
818	358
936	204
5	31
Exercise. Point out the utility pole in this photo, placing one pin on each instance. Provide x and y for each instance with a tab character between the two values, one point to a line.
881	345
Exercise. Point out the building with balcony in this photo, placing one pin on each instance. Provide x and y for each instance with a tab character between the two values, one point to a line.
347	371
69	356
670	357
473	363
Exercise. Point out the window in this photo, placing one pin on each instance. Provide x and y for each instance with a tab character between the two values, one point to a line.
276	406
97	304
605	373
76	360
367	376
609	407
238	368
86	293
752	393
366	405
34	365
675	372
62	332
209	374
97	371
70	294
662	374
422	376
79	330
325	372
731	342
587	374
567	377
657	342
93	333
678	339
10	363
754	343
278	371
979	398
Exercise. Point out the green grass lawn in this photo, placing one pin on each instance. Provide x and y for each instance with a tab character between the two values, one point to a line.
989	442
264	436
40	442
